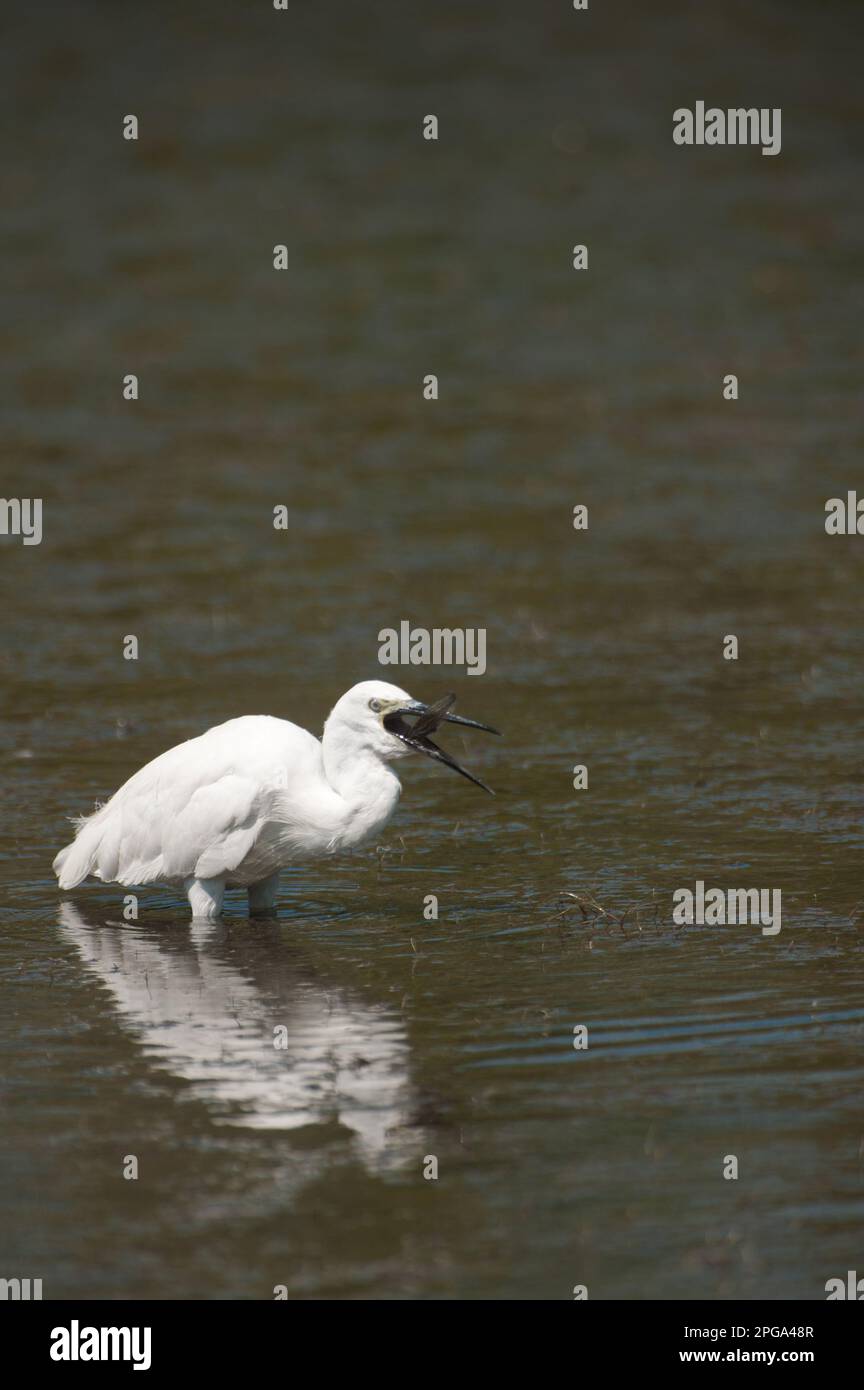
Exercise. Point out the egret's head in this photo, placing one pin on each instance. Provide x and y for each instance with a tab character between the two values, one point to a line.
385	719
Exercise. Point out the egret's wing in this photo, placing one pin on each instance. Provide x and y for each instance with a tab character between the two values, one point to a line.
216	829
190	811
193	826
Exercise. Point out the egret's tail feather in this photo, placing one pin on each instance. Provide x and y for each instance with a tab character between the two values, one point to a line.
78	860
72	865
102	850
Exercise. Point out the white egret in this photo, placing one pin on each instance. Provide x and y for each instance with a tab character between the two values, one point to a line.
249	797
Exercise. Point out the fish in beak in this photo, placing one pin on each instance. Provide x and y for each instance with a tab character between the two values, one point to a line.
413	722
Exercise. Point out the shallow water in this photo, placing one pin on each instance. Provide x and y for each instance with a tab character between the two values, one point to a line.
407	1038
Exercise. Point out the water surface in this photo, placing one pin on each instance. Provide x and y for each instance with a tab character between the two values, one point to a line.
405	1038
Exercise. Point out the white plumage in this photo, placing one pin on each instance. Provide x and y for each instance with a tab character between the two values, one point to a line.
251	796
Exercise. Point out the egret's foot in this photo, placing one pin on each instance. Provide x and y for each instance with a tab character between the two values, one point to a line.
205	897
262	897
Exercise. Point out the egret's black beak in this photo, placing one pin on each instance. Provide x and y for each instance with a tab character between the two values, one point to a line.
426	719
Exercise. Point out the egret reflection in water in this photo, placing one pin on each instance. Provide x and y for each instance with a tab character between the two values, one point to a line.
339	1060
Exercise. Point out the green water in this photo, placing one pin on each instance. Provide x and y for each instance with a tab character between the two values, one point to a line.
409	1038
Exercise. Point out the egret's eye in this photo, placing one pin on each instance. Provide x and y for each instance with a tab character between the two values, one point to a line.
376	706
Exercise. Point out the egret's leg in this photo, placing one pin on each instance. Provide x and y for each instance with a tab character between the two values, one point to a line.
205	897
262	896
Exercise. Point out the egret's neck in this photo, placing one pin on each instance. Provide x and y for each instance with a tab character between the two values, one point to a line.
368	786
